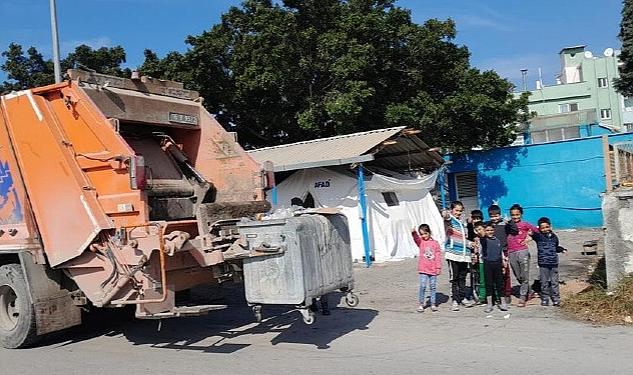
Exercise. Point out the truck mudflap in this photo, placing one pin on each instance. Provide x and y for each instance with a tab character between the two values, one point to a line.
53	304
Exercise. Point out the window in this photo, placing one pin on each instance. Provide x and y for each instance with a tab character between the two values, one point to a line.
557	134
390	198
629	127
554	134
605	114
603	82
467	190
628	104
567	107
571	132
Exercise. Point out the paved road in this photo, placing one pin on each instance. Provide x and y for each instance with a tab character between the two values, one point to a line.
383	335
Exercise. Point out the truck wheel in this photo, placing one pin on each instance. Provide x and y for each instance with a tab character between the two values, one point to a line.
17	316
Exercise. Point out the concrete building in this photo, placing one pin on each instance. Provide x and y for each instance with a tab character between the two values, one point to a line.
583	95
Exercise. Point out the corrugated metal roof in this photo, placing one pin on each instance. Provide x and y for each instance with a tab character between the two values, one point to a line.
406	153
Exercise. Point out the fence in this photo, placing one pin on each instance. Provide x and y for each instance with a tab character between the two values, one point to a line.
623	164
618	164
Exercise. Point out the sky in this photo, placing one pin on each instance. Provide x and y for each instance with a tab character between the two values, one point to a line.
503	35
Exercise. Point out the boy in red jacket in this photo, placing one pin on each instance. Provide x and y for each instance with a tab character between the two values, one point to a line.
429	263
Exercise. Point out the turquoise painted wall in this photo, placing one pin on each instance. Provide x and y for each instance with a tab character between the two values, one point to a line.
561	180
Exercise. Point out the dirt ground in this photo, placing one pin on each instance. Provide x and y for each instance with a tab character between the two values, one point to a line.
400	277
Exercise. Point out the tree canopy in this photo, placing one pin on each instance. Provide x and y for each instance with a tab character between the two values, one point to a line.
624	84
292	70
31	69
299	69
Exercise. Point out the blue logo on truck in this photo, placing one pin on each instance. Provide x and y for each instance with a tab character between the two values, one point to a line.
10	208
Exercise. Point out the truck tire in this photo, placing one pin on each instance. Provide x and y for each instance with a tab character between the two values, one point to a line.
17	315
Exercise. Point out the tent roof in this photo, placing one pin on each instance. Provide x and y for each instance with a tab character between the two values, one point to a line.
392	148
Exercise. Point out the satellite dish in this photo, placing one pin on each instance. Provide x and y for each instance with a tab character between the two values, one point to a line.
608	52
588	54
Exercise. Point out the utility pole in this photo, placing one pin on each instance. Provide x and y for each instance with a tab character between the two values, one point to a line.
524	79
56	65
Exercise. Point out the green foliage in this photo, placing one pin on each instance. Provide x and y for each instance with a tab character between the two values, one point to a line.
25	71
292	70
31	70
299	69
106	60
624	84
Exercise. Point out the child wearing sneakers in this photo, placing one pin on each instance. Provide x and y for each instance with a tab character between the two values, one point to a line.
458	254
519	254
494	258
548	248
479	284
502	229
429	264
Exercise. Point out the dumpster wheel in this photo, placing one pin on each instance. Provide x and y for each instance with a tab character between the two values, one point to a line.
309	318
308	315
351	299
257	312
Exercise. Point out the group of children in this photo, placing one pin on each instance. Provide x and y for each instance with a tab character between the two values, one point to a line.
488	250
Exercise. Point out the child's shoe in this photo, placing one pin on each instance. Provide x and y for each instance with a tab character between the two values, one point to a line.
489	304
544	302
556	303
433	308
468	303
503	306
455	306
421	308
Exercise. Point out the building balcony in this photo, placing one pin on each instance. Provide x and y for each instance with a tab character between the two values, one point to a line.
571	125
564	120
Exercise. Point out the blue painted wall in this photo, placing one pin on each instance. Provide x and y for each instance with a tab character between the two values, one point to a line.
562	180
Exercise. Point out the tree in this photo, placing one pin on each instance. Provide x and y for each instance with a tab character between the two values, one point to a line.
293	70
624	84
105	60
25	71
32	70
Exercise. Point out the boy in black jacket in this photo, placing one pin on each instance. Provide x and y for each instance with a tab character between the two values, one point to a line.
494	258
502	228
548	249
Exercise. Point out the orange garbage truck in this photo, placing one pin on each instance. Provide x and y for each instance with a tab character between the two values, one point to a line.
116	192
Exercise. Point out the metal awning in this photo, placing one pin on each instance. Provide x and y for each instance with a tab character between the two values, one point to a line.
395	148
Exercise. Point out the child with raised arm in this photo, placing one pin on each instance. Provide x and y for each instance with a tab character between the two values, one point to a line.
519	253
429	264
548	248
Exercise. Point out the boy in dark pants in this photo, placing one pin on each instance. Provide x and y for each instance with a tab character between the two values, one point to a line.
476	271
548	248
501	230
492	254
479	282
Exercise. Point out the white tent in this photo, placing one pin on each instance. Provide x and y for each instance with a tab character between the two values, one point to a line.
389	224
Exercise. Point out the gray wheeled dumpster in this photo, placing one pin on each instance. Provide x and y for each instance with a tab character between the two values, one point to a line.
315	259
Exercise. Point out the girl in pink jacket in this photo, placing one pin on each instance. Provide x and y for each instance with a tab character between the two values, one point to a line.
429	263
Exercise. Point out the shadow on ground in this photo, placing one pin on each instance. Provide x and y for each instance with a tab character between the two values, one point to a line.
220	331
